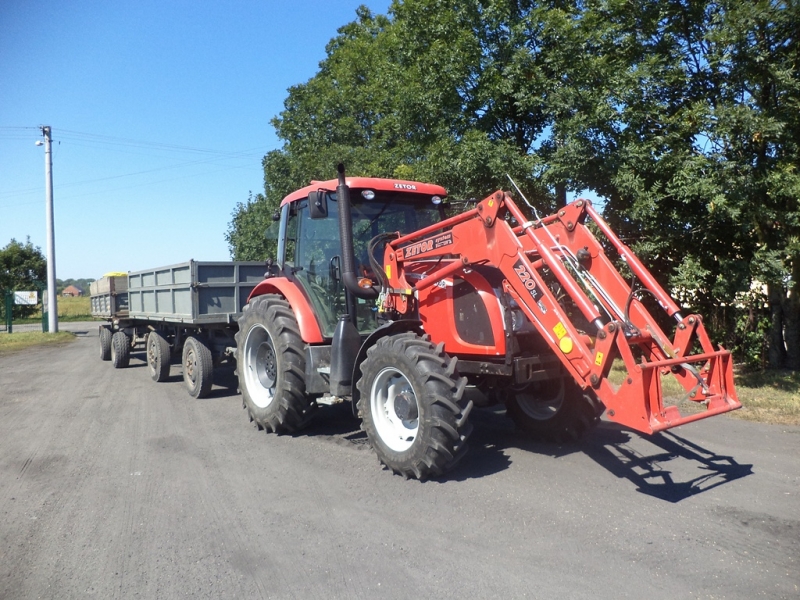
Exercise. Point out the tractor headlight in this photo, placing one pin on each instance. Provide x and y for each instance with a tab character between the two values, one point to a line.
436	200
368	194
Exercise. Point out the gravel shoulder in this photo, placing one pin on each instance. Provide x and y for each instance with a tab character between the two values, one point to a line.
117	487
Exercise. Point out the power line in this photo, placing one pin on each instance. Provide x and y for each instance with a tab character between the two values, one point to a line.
78	138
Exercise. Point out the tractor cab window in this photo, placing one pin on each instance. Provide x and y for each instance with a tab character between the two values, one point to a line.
316	251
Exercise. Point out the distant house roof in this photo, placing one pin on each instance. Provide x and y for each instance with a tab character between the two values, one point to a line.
71	290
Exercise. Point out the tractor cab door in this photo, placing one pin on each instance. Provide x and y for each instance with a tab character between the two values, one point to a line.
315	258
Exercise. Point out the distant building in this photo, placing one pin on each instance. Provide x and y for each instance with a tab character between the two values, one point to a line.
71	290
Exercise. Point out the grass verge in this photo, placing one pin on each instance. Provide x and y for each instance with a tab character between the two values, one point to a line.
14	342
70	309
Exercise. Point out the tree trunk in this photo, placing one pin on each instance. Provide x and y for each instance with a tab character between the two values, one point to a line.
791	318
776	353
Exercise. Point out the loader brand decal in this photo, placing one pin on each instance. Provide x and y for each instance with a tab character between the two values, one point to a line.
526	277
434	243
405	186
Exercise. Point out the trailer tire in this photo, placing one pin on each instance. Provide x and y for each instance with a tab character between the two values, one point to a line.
556	410
198	367
105	343
120	350
270	364
158	356
412	407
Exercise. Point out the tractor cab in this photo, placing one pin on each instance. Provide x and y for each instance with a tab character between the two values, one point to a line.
316	241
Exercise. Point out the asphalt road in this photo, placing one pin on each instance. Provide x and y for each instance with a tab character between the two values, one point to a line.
114	486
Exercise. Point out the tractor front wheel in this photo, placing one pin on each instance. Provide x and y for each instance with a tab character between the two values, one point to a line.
411	406
556	410
270	364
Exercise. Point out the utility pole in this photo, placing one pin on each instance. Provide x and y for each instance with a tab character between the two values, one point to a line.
52	295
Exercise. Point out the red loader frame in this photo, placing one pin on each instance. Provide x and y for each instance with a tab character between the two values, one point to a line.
622	327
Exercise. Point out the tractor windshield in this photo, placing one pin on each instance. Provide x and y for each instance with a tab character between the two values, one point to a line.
317	251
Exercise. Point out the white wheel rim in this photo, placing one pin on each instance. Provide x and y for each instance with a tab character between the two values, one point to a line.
260	366
395	409
542	405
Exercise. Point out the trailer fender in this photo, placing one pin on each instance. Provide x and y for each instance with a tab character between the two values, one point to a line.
309	328
392	328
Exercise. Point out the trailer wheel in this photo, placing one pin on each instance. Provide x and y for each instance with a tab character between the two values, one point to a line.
158	356
556	410
105	343
270	364
411	406
120	350
198	368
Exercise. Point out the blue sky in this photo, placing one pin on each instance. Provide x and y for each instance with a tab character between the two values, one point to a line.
160	116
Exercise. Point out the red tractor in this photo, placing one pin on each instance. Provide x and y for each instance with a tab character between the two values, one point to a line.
380	299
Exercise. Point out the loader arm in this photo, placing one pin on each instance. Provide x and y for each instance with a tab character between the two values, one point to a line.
620	324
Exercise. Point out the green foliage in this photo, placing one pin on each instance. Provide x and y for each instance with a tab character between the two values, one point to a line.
246	233
682	115
22	267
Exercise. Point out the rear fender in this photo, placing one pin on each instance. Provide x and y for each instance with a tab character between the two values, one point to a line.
392	328
309	327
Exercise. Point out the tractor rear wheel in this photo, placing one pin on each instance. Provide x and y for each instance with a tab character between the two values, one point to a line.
411	406
556	410
270	364
158	355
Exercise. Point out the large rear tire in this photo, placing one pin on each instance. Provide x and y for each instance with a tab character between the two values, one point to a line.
556	410
158	356
270	364
105	343
198	367
120	350
411	406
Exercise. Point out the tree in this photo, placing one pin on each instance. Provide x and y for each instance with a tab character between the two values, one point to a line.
22	267
247	230
682	114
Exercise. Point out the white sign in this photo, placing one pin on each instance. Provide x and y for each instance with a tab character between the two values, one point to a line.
27	298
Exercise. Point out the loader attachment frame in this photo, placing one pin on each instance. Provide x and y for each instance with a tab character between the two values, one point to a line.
616	324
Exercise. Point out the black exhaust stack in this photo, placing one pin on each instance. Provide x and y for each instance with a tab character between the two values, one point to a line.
346	234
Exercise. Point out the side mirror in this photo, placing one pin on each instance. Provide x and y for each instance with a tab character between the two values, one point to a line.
318	204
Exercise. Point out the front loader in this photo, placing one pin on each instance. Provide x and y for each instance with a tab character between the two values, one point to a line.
378	298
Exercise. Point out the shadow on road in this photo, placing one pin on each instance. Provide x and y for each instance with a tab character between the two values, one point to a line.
665	466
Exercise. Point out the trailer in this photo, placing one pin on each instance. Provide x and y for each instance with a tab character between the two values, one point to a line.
188	310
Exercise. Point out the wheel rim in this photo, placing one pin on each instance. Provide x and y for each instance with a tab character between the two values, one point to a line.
395	409
260	366
189	364
151	355
543	401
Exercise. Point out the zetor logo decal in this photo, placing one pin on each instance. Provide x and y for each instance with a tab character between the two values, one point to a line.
526	277
405	186
440	241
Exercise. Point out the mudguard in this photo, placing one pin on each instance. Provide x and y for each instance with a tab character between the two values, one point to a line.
301	307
